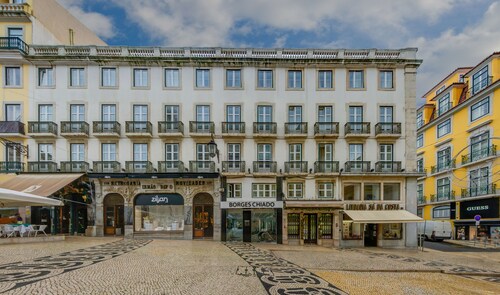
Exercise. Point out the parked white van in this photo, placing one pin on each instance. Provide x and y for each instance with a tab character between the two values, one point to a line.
435	230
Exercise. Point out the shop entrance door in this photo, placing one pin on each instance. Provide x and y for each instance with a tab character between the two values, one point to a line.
247	226
310	228
370	235
114	215
203	216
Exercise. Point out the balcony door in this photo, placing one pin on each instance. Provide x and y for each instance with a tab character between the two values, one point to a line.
108	156
325	115
479	146
386	118
203	118
13	112
264	115
202	158
233	115
140	157
172	117
264	157
108	117
325	157
172	157
356	156
294	116
77	156
77	115
356	118
234	157
479	180
140	118
386	157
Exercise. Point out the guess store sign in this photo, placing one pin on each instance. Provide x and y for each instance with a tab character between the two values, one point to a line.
487	208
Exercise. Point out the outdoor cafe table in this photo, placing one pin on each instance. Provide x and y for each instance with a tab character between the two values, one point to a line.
25	227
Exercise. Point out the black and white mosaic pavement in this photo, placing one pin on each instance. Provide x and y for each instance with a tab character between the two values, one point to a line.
279	276
19	274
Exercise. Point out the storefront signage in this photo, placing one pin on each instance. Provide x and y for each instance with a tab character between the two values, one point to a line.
146	185
487	208
372	207
251	204
159	199
191	182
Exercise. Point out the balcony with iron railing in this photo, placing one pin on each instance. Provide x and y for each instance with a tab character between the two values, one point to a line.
172	129
326	129
326	167
13	43
106	128
442	196
233	129
265	167
11	166
107	167
479	190
294	130
474	89
482	153
387	130
296	167
421	200
443	167
233	167
171	167
357	129
357	166
202	166
139	167
136	129
74	166
42	166
42	129
199	128
74	129
12	129
264	129
388	166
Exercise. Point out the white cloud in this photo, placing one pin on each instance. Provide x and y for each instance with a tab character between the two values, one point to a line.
96	22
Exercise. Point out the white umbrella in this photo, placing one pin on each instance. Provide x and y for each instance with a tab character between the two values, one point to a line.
10	198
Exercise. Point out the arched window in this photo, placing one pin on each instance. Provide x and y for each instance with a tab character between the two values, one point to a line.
441	212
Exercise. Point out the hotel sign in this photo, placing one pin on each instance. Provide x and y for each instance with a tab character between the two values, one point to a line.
251	204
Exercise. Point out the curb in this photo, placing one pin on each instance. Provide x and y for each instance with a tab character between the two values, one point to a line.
482	274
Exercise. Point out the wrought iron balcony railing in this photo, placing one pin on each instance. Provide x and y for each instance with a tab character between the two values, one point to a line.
352	128
357	166
264	167
233	127
42	127
480	190
388	128
421	200
107	167
388	166
100	127
171	127
11	167
202	166
201	127
480	86
484	152
75	127
296	128
264	127
74	166
326	128
42	166
326	167
443	167
139	167
13	42
138	127
443	196
296	167
171	166
233	166
12	127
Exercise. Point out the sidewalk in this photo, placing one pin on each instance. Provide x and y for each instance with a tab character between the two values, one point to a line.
489	244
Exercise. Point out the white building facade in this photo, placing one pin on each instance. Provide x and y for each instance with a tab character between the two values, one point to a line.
272	145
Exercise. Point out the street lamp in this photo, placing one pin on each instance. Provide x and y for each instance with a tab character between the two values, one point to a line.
212	149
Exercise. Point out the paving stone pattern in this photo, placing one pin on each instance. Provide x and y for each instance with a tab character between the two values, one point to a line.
18	274
279	276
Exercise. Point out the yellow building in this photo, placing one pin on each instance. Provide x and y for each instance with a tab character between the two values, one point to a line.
458	132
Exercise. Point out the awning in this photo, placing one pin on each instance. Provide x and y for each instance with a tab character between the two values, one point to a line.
10	198
40	184
312	204
382	216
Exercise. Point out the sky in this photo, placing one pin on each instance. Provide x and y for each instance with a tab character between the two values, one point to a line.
448	33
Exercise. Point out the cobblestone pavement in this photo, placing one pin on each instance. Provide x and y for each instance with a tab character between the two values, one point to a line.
209	267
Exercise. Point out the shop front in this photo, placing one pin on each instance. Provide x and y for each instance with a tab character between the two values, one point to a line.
252	221
164	213
489	224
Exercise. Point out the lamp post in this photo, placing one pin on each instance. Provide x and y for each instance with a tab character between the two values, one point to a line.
212	149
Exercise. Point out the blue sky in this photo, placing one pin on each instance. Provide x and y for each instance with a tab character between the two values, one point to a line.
448	33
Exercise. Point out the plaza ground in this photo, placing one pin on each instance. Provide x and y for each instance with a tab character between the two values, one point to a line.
81	265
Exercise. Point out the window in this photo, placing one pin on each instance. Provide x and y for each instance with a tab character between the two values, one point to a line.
233	114
202	78
372	192
420	119
234	157
203	162
355	114
108	152
108	114
355	152
264	190
265	79
45	152
140	157
45	113
13	155
420	212
325	114
325	79
356	79
443	189
108	77
444	128
16	32
46	77
420	193
12	76
444	104
386	116
392	192
480	147
420	165
264	114
172	113
441	89
202	113
444	159
13	112
480	80
141	78
171	152
77	77
352	191
420	140
295	152
441	212
386	79
325	190
479	181
264	152
392	231
172	78
294	79
295	190
234	190
77	113
77	152
351	230
233	78
386	158
480	109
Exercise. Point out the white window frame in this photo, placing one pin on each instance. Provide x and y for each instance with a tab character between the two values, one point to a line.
172	78
77	77
295	79
77	152
443	128
384	83
109	77
263	190
46	80
480	106
202	78
232	81
295	190
355	82
140	78
325	82
234	190
326	190
265	79
45	152
13	76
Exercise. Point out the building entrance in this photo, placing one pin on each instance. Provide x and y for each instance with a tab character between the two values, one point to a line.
310	229
113	215
370	235
203	217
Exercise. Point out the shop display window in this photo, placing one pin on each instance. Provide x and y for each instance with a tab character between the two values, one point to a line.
234	225
351	230
393	231
293	227
352	192
372	192
264	225
159	218
326	225
392	192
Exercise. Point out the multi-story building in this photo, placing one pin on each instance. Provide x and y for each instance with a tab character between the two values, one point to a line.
457	139
288	145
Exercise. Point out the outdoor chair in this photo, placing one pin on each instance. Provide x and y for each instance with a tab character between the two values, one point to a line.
39	229
10	231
